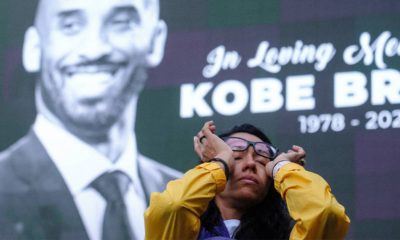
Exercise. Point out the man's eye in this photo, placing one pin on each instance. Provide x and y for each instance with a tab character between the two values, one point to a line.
123	21
71	26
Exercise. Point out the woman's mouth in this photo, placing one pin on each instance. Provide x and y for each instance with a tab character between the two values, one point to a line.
249	179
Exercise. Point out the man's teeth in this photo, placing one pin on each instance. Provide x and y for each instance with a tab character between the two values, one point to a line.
91	69
91	76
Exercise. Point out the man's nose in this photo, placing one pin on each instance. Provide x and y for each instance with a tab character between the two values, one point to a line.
95	44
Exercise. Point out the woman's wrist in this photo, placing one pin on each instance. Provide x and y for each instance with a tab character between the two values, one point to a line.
278	165
223	164
272	167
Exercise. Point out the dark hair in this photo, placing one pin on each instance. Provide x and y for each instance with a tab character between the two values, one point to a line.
247	128
268	219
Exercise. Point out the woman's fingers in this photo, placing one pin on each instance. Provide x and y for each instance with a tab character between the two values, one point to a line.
297	155
299	150
207	129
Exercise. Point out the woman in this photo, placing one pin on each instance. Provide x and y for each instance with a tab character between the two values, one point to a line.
240	192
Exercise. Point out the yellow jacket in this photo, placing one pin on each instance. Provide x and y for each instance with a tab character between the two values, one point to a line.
175	213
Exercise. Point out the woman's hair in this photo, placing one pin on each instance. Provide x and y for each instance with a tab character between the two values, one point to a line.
247	128
268	219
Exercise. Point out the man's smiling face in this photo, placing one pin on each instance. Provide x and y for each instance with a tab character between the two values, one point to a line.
93	57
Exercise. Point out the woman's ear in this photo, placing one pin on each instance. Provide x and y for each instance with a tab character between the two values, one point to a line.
31	52
156	51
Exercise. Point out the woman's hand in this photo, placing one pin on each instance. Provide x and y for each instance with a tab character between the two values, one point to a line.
207	145
296	155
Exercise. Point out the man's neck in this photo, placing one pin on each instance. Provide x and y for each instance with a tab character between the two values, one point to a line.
110	142
113	144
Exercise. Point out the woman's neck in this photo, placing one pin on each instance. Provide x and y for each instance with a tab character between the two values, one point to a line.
227	210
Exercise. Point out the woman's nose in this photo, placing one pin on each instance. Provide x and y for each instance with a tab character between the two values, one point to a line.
250	156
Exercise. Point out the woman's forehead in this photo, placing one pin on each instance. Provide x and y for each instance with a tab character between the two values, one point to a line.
246	136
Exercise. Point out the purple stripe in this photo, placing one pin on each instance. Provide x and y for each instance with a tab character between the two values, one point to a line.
377	171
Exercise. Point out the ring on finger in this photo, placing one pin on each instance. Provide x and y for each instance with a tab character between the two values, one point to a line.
302	162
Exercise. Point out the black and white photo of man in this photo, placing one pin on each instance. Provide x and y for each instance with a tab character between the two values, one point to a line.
91	59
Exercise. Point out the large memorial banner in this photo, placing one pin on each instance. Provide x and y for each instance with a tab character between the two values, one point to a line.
324	75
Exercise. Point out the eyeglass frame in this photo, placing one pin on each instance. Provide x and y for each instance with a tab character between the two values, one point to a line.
253	144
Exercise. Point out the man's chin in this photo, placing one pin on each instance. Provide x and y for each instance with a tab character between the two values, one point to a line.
92	121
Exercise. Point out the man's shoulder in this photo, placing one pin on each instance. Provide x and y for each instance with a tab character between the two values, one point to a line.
154	175
8	155
150	166
18	162
9	158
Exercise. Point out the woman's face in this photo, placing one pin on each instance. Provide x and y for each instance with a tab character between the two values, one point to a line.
249	182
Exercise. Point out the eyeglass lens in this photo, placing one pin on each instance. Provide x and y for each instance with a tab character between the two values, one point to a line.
261	148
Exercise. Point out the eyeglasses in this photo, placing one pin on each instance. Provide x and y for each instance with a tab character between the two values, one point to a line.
261	148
